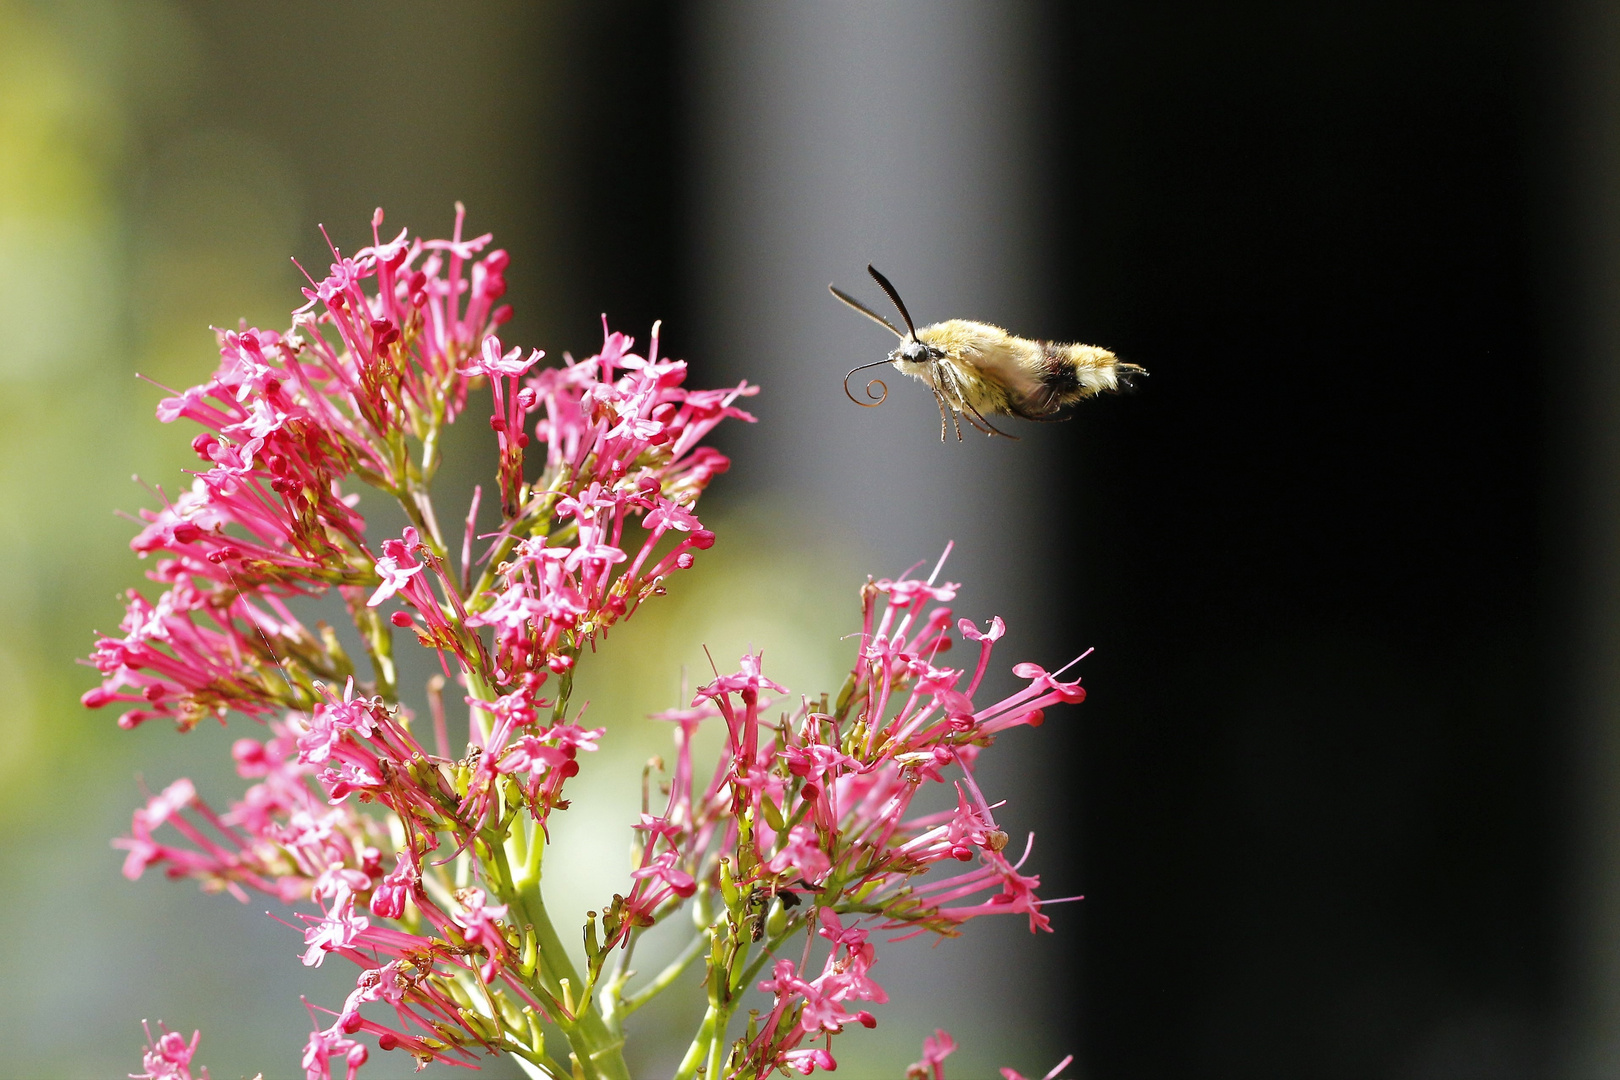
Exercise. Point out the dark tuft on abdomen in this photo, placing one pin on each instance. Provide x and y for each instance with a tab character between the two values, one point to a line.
1057	374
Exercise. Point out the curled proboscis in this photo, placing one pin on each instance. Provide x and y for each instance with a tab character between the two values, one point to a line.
873	400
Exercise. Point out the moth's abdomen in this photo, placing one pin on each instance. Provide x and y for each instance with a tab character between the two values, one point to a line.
1072	373
1081	370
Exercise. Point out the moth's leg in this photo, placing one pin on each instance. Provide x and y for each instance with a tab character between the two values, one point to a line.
975	419
977	425
949	396
963	405
988	428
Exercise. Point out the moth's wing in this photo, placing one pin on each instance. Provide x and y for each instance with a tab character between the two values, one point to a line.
1041	406
1065	418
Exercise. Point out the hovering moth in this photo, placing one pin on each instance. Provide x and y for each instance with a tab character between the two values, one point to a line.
977	370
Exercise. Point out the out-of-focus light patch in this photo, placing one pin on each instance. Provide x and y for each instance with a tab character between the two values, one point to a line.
218	215
61	137
78	80
56	220
57	128
55	294
16	735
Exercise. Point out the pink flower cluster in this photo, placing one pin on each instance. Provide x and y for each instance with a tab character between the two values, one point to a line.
286	419
808	822
623	439
420	863
377	361
297	841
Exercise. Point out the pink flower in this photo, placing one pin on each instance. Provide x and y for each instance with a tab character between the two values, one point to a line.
323	1047
936	1048
511	407
329	722
339	929
388	901
480	924
664	873
396	573
1010	1074
800	855
807	1061
168	1057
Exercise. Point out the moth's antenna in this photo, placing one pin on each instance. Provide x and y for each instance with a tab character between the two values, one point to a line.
883	283
864	310
877	399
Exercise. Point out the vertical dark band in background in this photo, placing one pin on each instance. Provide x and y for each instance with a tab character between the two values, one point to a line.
620	222
1316	802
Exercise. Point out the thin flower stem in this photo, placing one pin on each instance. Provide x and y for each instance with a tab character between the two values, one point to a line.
430	440
611	997
600	1049
698	1051
717	1044
412	496
549	1069
533	855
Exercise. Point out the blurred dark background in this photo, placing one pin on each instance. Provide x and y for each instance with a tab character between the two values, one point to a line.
1321	795
1339	790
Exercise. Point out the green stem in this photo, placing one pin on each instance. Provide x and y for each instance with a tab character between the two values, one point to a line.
700	1045
717	1044
600	1050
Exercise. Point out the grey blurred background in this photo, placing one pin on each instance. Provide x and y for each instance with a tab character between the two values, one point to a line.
1342	800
